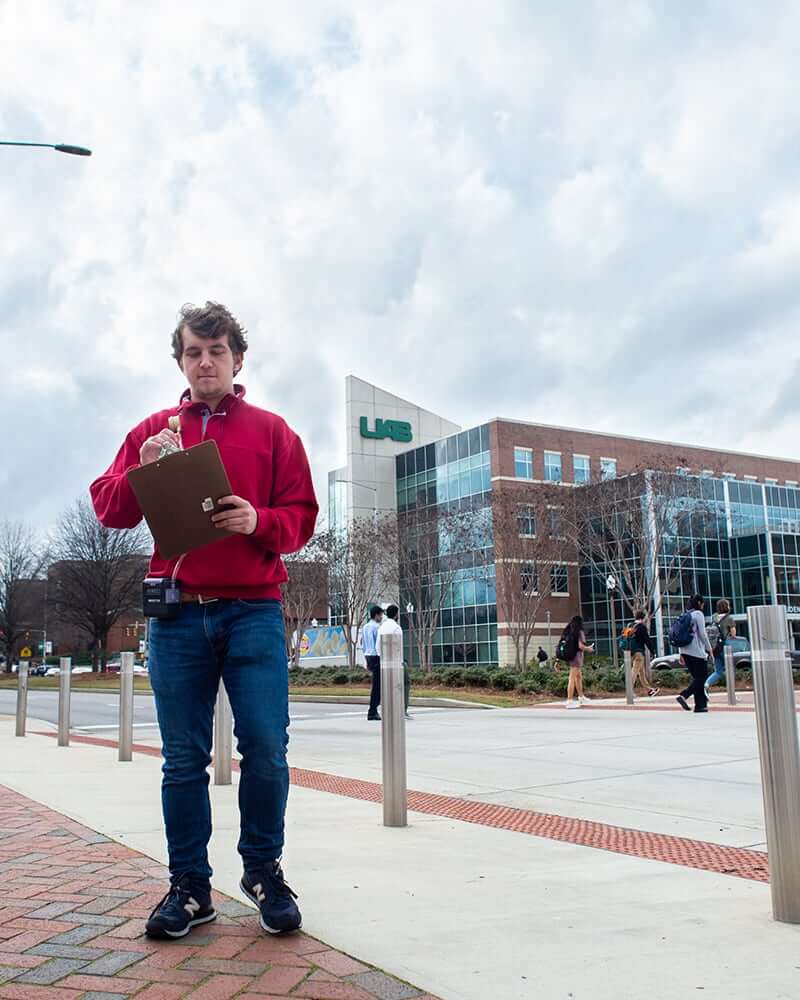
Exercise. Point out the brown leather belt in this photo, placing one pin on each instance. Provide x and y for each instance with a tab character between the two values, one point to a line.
197	598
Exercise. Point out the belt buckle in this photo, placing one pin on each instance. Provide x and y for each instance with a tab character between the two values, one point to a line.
206	600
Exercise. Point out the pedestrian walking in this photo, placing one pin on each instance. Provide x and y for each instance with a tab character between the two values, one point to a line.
542	657
641	640
721	629
369	644
689	634
227	625
571	647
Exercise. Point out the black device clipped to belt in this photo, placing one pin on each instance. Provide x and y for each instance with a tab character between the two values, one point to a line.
161	597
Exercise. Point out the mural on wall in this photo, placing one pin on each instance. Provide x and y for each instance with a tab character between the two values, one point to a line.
326	640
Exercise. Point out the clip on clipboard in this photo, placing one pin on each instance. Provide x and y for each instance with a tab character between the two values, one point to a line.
178	494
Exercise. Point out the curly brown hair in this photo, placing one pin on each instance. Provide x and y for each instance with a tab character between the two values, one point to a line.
211	320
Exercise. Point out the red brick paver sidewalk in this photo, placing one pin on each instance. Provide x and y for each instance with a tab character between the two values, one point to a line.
72	910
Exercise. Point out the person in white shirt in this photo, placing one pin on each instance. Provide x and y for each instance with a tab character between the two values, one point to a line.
369	644
390	626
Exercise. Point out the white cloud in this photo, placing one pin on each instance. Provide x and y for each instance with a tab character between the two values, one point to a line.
488	207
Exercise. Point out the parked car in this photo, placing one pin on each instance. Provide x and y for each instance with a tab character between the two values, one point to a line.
81	670
52	672
742	657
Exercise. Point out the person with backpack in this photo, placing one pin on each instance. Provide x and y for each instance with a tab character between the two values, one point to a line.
571	647
720	630
541	656
688	633
640	640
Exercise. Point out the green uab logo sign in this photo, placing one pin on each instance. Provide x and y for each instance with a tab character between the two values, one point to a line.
396	430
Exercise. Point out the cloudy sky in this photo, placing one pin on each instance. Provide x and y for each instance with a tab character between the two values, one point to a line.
583	213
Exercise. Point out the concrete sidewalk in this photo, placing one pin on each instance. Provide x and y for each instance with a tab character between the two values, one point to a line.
461	909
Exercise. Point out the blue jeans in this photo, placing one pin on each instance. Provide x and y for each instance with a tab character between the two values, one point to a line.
719	670
243	643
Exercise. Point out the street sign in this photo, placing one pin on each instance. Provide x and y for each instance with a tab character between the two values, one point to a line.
25	653
48	648
142	645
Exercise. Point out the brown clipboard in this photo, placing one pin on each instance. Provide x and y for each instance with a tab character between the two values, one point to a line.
178	494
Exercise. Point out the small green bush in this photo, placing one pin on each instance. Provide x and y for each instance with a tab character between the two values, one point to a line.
453	678
505	680
476	678
341	677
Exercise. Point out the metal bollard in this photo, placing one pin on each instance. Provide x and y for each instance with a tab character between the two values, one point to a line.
628	678
64	684
393	731
22	696
730	676
776	719
223	738
126	706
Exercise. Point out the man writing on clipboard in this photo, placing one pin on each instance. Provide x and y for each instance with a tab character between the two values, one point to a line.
229	625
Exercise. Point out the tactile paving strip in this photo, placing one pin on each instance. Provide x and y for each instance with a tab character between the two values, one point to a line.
700	854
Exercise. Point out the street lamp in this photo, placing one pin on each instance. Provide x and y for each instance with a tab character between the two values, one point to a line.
61	147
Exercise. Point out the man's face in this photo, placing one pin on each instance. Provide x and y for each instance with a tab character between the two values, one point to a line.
208	365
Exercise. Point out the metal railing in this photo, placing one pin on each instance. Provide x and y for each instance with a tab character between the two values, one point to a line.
776	719
393	713
730	676
223	737
628	677
22	696
126	706
64	685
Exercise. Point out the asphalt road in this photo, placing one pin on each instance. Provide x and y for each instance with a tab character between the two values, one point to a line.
96	712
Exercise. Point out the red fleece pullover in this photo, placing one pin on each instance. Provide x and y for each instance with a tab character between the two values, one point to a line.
266	464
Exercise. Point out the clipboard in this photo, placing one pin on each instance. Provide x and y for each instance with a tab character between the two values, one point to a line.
178	494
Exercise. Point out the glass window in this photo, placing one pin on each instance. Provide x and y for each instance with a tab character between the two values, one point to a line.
463	444
608	468
552	466
526	519
400	466
523	463
581	469
559	577
452	449
554	527
527	578
475	441
484	437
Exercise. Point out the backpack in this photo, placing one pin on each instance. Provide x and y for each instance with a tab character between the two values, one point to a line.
626	639
681	632
716	635
567	648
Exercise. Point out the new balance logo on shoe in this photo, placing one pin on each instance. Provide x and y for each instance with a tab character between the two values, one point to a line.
180	910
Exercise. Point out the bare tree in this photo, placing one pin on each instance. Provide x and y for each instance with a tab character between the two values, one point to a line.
22	559
305	593
362	570
97	574
639	529
435	545
533	551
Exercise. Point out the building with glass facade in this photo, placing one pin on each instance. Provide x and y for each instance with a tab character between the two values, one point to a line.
745	547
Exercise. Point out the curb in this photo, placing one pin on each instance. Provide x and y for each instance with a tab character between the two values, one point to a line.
420	702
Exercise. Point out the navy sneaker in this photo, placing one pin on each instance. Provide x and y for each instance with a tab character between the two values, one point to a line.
267	888
186	905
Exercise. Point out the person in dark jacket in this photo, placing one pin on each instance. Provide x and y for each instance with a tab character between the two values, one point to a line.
640	641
